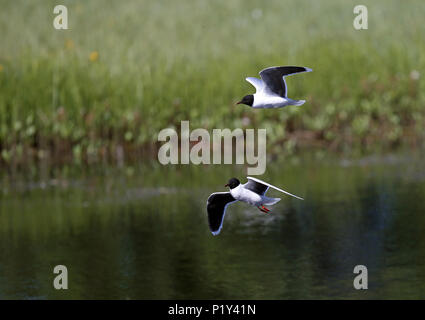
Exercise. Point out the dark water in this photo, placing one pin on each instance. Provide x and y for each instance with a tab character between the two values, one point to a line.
141	233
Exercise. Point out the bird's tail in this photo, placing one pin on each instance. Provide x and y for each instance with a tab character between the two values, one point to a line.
297	102
270	201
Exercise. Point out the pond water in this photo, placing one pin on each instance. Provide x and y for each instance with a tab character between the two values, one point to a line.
141	233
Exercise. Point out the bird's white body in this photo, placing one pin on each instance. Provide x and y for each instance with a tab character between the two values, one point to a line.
252	198
263	100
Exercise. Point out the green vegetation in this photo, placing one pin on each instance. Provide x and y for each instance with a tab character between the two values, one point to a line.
124	71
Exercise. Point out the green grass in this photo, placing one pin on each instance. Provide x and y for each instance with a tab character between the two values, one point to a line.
161	62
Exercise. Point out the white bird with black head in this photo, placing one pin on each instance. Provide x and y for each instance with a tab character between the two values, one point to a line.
271	90
253	192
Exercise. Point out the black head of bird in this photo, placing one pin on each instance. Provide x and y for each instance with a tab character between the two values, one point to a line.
233	183
248	100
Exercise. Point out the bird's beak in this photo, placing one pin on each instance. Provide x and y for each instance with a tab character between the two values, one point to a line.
239	102
226	185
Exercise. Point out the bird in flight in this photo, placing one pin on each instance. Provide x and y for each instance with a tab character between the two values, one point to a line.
253	192
271	90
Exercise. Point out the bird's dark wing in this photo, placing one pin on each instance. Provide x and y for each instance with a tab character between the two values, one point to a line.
216	208
273	78
256	186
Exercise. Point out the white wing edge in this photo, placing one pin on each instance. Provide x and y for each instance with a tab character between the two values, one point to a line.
286	87
276	188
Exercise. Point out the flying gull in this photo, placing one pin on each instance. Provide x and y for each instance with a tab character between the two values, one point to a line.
253	192
271	91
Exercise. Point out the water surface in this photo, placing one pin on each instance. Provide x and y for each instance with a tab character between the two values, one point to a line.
141	233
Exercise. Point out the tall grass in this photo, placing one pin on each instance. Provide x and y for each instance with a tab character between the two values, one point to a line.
126	70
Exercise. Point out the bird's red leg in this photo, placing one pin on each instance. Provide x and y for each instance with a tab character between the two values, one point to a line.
267	210
262	210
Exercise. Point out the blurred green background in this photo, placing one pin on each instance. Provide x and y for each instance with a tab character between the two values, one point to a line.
123	71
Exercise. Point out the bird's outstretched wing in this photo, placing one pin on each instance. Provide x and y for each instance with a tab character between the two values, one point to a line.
260	185
273	77
216	208
257	83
